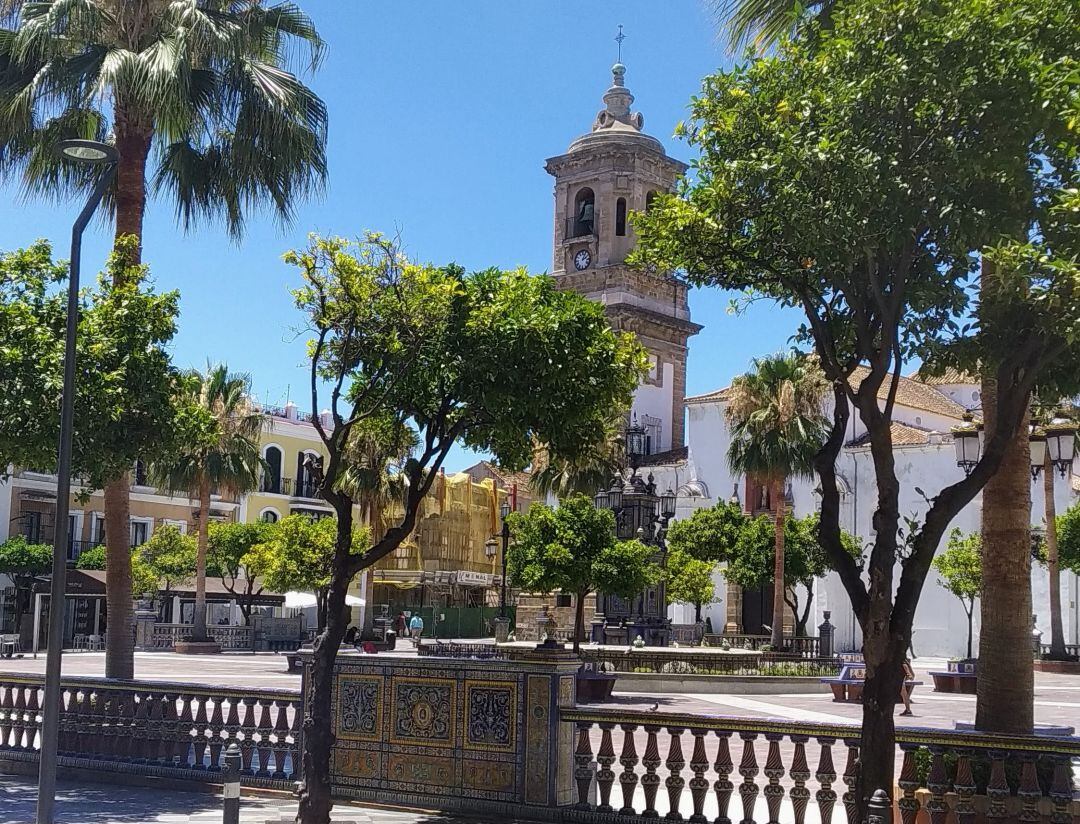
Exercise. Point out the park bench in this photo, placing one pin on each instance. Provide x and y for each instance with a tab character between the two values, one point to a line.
848	685
960	677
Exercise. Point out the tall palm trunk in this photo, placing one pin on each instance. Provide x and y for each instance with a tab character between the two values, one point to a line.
133	143
780	514
1057	631
120	636
579	620
1006	683
198	631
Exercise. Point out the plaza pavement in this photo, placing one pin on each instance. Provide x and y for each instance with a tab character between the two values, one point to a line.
1057	697
85	803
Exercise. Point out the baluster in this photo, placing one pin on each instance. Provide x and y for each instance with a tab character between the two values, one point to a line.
774	771
264	730
628	777
1029	791
605	776
78	711
851	777
800	774
699	785
155	740
723	786
118	720
294	738
938	783
33	708
583	762
281	730
170	743
247	746
826	775
140	730
96	722
997	789
185	724
199	724
214	734
1061	790
908	783
675	782
748	769
6	708
964	784
650	781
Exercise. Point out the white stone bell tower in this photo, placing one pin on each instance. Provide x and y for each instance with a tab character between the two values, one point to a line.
605	175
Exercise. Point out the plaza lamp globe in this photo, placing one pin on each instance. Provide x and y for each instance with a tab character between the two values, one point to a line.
1037	446
87	152
490	548
967	439
1061	444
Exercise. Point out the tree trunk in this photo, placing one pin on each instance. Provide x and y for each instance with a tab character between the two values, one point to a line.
971	620
1053	564
315	801
1006	683
579	619
780	514
884	656
120	635
198	631
133	144
697	613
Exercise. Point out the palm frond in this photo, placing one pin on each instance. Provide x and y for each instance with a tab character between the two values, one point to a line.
759	24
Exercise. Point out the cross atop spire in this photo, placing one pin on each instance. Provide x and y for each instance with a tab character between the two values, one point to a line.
618	39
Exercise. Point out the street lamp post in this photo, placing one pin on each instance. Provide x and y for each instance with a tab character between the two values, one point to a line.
502	623
87	152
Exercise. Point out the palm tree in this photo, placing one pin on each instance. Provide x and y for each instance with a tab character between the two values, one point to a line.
375	453
591	471
777	426
218	450
202	101
761	23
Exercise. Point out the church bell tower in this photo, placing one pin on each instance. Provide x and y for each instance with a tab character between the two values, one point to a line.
605	175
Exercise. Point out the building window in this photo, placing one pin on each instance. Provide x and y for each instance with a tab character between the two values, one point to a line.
620	217
269	516
140	473
140	532
649	198
272	474
563	599
97	529
654	367
584	213
32	527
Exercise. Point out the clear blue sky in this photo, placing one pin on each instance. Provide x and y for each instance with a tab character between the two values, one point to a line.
441	117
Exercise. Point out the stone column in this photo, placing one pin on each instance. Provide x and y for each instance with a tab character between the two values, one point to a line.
145	618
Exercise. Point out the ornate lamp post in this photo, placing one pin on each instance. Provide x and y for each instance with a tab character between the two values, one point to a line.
967	439
502	623
1061	444
640	512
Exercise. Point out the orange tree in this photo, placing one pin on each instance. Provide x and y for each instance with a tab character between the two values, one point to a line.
495	360
857	174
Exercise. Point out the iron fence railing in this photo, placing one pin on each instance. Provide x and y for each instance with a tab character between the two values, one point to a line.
670	661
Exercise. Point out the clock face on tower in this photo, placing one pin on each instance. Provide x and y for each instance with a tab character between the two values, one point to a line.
582	260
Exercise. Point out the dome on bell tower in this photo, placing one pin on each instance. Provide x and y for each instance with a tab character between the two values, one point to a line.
616	123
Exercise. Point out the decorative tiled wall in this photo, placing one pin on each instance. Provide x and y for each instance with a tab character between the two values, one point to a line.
453	733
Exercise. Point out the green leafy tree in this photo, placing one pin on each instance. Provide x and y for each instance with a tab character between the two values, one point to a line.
573	549
590	471
170	555
204	104
144	580
217	448
960	567
777	427
235	556
750	564
124	404
690	580
924	118
1068	534
494	360
300	555
708	534
23	562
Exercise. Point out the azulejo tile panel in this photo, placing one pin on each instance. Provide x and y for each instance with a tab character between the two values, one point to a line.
422	769
537	739
488	776
490	715
424	711
359	711
357	763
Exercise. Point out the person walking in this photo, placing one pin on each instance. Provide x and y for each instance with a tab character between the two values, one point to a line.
416	628
906	687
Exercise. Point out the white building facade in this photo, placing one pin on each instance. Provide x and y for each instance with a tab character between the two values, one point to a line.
925	412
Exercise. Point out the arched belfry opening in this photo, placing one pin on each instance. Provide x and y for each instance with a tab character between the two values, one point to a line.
584	221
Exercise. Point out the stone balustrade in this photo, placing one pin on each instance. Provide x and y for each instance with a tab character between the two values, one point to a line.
156	728
165	636
644	765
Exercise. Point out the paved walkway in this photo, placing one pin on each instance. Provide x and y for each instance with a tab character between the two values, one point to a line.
111	804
